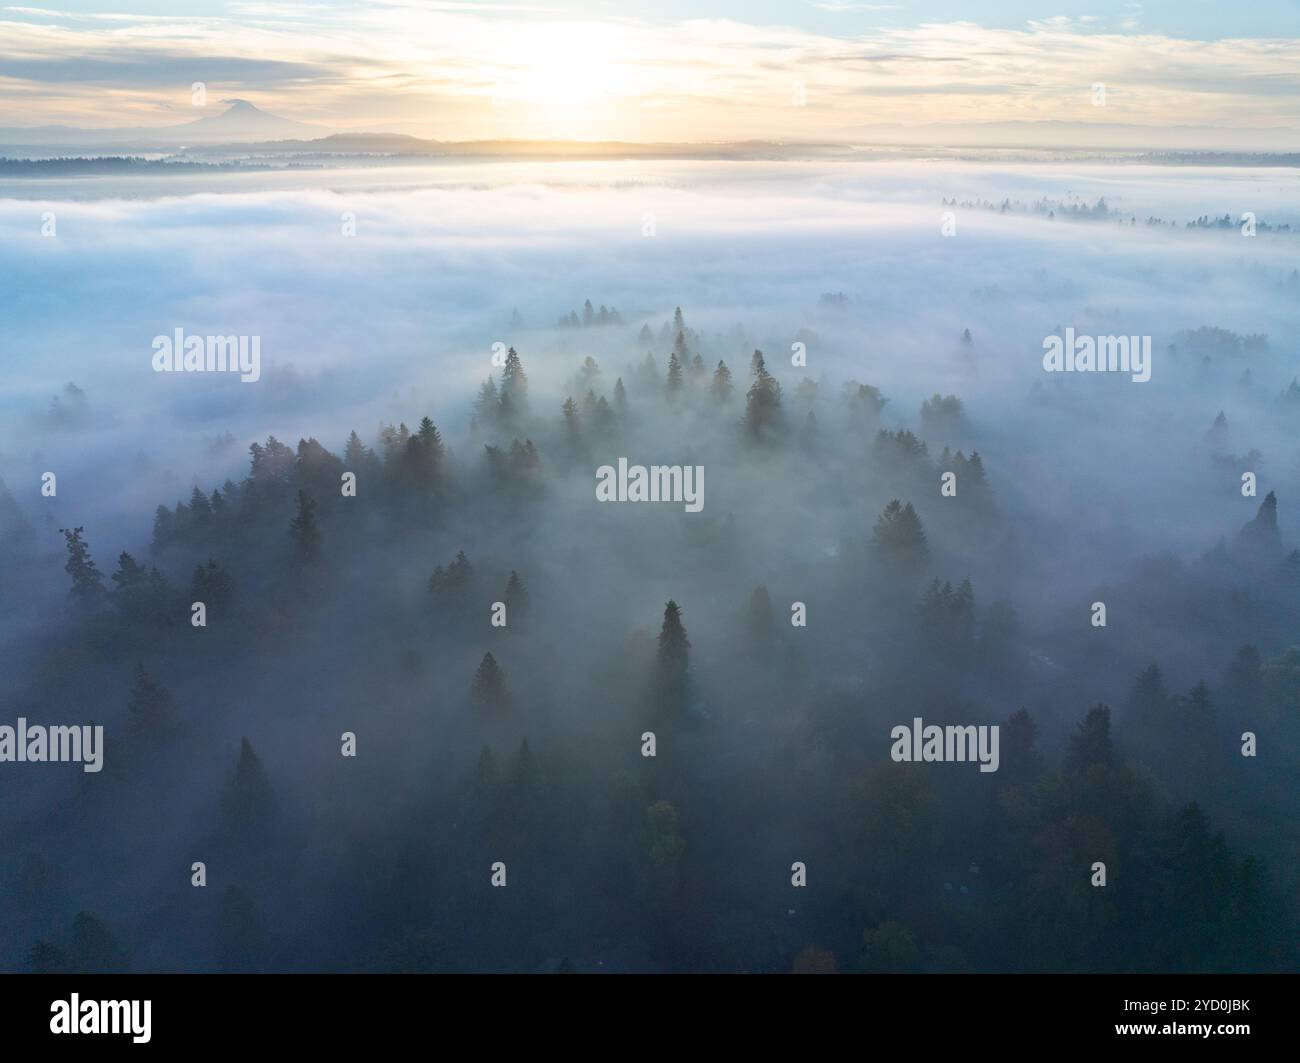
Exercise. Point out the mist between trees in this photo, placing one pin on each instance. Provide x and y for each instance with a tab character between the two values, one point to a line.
523	741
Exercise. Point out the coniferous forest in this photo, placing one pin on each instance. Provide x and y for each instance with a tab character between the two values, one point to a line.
433	664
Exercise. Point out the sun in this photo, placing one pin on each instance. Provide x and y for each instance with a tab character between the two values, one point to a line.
564	75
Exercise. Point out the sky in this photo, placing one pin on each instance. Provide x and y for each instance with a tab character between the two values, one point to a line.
707	70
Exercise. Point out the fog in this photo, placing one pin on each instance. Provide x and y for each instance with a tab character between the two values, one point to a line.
773	740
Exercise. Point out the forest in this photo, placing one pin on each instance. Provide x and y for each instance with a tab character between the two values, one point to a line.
447	711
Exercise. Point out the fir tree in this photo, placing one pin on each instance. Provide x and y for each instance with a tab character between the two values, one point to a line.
1091	744
87	580
247	797
516	596
698	371
514	382
898	536
152	709
130	576
572	431
164	528
674	384
672	661
303	530
212	585
721	388
489	688
762	403
487	407
200	508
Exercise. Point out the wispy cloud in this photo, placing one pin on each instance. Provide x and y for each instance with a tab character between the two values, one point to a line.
466	70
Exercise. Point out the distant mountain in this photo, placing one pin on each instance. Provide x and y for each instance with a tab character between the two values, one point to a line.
240	121
244	129
398	144
244	121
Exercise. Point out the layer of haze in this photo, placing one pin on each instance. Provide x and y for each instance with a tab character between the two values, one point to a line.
1092	475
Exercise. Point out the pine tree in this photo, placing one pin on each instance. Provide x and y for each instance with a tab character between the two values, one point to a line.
673	661
698	371
516	596
514	382
152	709
212	585
427	454
604	423
763	402
487	407
200	508
164	528
459	572
898	536
1019	759
303	530
247	797
355	452
489	689
588	374
721	388
680	348
1261	534
674	385
620	397
572	430
130	575
1091	744
87	581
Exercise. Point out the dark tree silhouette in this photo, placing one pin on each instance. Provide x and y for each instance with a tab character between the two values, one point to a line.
303	529
672	662
152	710
87	580
489	687
721	387
1091	744
247	797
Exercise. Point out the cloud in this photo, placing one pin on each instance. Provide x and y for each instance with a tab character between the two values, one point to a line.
444	70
